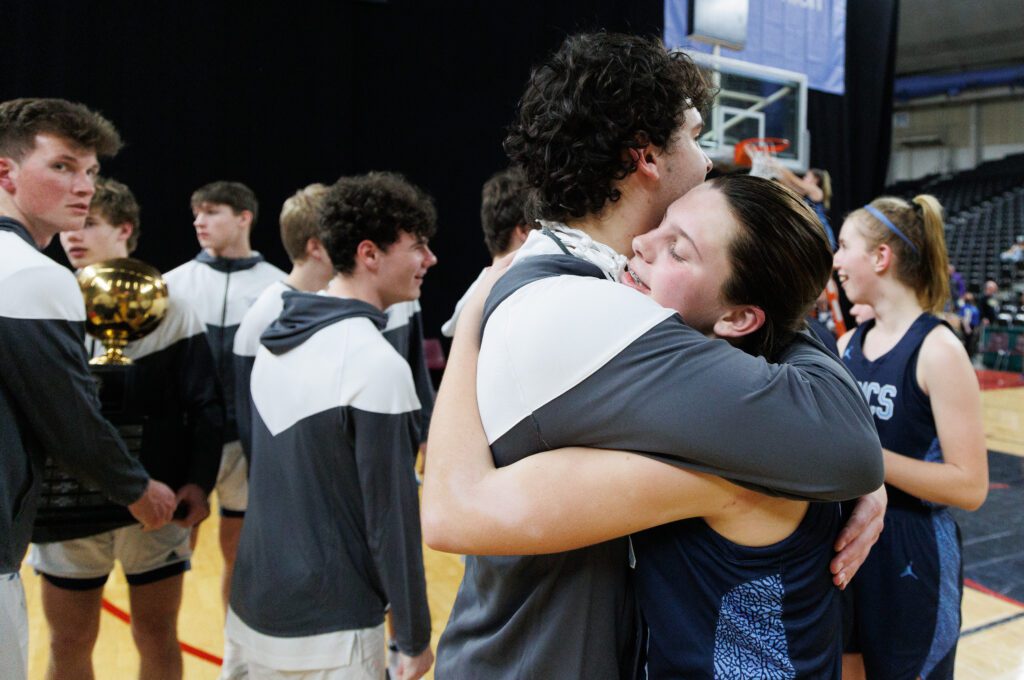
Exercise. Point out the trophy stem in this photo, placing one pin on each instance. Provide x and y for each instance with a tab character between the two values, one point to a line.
114	355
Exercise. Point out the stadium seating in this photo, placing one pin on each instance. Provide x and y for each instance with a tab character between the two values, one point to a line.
984	215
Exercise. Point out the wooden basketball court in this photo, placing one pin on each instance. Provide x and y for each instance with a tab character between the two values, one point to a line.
991	646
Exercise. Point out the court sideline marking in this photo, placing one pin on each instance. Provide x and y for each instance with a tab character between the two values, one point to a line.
974	585
121	614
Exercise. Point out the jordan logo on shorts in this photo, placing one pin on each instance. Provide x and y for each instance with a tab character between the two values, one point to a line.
909	571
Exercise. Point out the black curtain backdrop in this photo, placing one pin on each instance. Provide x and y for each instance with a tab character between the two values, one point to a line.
851	135
280	95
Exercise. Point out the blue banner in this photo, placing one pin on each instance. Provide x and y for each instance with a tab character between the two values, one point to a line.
807	36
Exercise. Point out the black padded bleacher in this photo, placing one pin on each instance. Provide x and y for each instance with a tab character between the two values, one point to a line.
984	215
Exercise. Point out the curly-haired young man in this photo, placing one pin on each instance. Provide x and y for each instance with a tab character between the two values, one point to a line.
311	271
607	135
332	535
48	404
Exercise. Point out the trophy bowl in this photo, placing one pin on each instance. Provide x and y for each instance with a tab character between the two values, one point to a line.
125	300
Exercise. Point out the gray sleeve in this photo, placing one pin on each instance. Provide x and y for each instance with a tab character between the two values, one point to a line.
384	443
44	369
799	429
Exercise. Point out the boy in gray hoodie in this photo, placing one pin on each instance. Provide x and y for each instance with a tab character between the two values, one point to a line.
332	533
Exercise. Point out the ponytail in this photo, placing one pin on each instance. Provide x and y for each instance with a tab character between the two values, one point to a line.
915	232
934	258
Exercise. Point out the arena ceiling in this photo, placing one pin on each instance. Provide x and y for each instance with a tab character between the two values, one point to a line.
956	35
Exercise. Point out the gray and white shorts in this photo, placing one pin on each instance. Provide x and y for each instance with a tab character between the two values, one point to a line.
85	563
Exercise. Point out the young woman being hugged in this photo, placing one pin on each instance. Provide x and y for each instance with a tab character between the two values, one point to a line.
924	396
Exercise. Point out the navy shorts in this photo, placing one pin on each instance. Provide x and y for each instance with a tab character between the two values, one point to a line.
903	608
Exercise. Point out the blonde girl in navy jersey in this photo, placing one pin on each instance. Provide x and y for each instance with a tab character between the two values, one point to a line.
925	400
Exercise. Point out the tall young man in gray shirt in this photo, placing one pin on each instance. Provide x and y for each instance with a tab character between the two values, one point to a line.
48	401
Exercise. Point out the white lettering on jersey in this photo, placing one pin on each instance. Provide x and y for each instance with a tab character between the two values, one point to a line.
880	398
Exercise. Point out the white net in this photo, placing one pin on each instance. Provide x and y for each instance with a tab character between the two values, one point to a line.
762	159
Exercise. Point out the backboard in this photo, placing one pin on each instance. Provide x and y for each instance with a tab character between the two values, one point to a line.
755	101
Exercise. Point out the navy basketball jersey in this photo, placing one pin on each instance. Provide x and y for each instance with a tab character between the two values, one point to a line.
901	410
904	603
715	609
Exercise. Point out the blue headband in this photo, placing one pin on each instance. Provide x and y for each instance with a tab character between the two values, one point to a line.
892	227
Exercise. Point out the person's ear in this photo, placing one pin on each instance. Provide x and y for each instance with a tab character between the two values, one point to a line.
368	255
644	156
646	162
315	250
882	258
8	170
738	321
124	231
246	218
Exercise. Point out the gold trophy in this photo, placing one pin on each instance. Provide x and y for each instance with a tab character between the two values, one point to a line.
125	300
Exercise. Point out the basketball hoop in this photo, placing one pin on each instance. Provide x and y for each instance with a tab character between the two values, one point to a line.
756	153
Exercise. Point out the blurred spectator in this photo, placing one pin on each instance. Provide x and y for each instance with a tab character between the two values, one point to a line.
1014	253
816	189
970	319
957	288
988	303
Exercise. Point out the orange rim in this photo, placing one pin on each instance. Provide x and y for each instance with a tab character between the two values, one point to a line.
772	144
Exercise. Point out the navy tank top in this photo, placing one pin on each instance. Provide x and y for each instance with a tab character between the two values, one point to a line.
901	410
715	609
